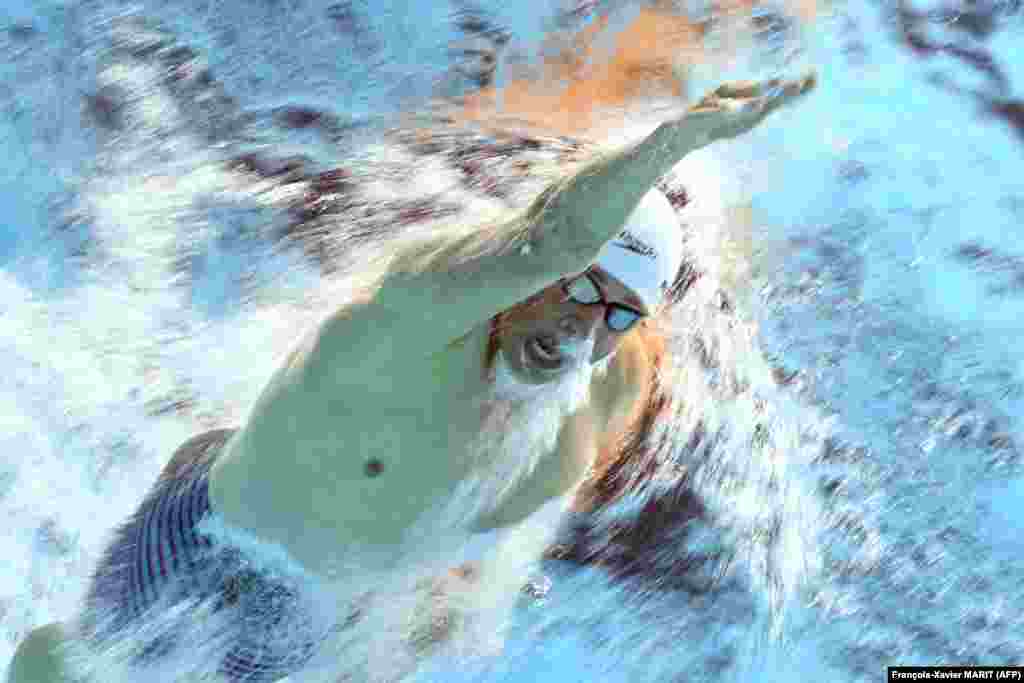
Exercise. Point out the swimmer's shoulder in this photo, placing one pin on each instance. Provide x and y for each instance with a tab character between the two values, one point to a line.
619	394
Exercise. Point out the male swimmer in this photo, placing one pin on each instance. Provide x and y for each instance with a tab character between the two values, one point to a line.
375	421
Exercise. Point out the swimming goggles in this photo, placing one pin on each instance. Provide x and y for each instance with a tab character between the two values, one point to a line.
585	290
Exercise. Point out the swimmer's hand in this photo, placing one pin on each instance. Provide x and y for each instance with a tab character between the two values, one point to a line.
735	108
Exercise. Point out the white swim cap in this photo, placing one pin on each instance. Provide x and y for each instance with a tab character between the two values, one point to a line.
648	252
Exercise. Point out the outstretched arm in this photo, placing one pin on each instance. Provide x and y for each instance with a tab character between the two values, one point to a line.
563	232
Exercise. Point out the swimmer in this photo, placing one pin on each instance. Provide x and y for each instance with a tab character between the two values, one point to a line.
480	382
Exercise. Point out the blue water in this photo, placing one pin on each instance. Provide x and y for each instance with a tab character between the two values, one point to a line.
881	263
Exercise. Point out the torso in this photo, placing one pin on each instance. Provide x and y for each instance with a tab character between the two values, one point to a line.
339	469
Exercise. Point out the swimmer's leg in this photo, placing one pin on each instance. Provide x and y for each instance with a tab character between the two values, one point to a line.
39	658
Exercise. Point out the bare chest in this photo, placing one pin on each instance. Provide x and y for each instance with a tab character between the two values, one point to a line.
353	469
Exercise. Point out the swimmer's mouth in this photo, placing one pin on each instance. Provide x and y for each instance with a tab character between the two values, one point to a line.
543	352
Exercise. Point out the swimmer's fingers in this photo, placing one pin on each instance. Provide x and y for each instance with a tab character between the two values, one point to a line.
758	94
734	108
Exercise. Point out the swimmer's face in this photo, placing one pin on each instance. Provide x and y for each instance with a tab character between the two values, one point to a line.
541	339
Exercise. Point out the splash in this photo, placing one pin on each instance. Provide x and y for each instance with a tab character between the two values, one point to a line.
123	361
521	424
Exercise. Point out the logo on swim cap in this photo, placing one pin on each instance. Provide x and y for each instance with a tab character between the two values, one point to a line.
628	240
647	254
